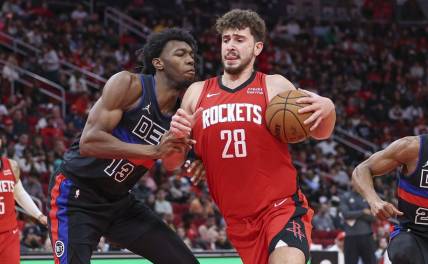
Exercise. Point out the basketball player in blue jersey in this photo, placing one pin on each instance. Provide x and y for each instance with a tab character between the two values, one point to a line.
409	240
123	136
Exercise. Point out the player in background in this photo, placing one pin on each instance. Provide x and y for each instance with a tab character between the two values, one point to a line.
11	190
409	240
249	172
123	137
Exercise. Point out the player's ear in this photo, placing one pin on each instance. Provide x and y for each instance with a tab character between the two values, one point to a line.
258	48
158	64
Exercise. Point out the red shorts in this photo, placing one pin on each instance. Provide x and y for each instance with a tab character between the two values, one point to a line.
286	221
9	246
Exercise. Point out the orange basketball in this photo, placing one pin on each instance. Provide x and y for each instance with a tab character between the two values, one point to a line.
283	119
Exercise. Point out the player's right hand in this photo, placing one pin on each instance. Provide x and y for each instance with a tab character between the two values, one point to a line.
183	122
384	210
171	144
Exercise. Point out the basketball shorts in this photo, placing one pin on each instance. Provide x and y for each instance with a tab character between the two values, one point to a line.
286	222
79	216
9	246
407	247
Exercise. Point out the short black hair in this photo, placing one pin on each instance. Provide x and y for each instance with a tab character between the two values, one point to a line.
156	43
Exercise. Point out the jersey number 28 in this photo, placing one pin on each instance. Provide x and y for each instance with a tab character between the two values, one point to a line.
237	138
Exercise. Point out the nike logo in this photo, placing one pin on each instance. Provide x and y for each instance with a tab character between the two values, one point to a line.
426	164
211	95
15	231
280	203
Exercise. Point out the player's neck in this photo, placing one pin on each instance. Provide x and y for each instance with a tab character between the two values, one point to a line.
165	94
234	80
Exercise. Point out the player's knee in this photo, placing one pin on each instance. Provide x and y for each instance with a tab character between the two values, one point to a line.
400	251
287	255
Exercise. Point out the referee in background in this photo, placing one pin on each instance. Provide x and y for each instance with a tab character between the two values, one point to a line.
359	240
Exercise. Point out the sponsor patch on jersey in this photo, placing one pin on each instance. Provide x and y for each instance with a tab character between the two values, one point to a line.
256	90
7	172
59	248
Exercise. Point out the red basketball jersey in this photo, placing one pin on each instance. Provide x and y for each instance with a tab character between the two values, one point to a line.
247	168
7	200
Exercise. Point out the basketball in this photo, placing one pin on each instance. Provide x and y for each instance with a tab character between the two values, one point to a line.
283	119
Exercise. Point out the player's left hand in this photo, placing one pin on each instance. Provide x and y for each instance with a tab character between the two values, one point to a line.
182	122
196	170
319	105
43	220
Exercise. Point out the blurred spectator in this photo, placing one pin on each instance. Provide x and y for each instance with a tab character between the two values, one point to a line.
222	242
32	238
50	63
201	206
162	206
51	132
327	146
9	71
21	146
122	56
208	233
34	187
77	83
421	127
20	123
57	121
322	219
8	129
395	113
79	13
182	234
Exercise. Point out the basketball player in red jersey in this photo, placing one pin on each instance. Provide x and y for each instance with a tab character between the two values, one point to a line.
250	173
11	189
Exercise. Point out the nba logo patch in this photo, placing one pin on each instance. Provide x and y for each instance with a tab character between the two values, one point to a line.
59	248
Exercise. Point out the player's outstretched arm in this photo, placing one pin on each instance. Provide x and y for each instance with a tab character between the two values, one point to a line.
323	116
400	152
119	94
23	198
182	124
185	117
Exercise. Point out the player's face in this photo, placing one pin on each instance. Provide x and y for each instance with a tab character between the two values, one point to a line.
178	63
239	50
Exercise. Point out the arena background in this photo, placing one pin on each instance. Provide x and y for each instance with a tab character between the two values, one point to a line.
369	56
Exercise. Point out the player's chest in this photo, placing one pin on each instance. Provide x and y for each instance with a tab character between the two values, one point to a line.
145	125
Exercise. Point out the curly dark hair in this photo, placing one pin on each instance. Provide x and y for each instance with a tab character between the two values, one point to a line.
240	19
156	43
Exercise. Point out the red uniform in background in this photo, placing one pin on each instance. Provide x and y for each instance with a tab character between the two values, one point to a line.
249	173
9	233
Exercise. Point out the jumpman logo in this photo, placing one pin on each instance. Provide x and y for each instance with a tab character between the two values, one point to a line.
426	164
148	107
296	229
